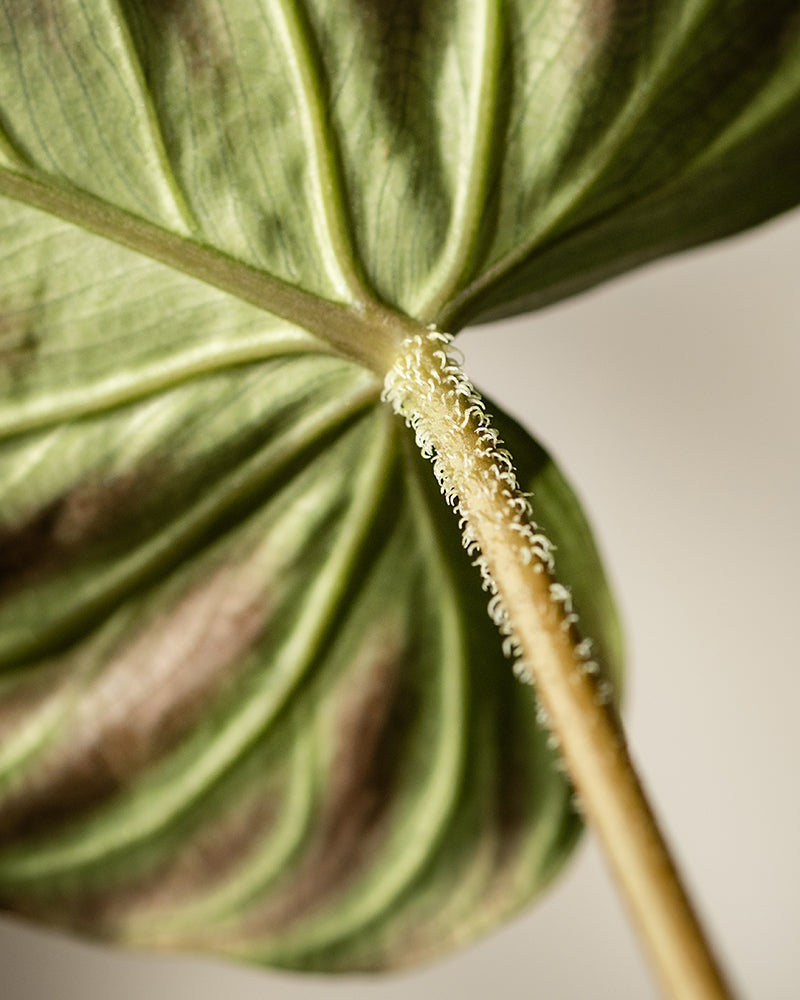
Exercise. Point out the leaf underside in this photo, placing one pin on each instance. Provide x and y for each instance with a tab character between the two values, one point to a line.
250	701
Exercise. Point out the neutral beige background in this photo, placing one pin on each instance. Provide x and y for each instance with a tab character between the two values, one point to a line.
671	399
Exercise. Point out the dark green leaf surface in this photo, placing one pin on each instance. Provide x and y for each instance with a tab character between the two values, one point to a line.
250	701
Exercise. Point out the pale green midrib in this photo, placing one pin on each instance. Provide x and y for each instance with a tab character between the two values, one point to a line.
332	227
178	200
572	194
141	821
461	243
165	547
51	408
424	830
368	333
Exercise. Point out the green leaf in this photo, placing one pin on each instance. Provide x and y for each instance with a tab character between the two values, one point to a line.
250	700
458	158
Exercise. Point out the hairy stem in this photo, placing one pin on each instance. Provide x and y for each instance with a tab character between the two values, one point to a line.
428	388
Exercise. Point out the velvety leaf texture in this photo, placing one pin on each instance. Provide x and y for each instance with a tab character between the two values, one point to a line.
250	700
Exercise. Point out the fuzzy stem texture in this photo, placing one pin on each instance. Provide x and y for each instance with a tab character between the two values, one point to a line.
427	387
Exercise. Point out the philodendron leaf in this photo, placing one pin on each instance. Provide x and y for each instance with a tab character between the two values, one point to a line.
250	701
458	158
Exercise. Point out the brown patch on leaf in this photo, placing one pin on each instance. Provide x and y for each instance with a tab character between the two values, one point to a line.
26	550
205	860
89	513
200	865
599	18
155	687
208	858
372	728
394	28
18	344
39	16
372	725
405	15
202	33
24	697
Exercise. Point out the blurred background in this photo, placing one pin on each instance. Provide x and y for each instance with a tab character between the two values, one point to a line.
671	400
